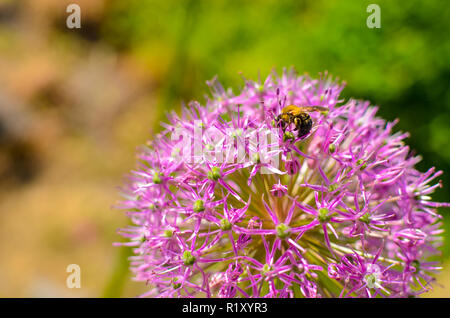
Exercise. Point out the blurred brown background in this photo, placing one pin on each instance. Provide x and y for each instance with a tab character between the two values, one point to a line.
75	104
72	112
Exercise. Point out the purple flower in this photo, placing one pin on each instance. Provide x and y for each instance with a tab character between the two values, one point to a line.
226	203
278	189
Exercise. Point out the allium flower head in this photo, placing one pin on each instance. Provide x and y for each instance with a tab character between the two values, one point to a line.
226	203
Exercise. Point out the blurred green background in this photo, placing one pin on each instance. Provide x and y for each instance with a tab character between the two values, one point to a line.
75	104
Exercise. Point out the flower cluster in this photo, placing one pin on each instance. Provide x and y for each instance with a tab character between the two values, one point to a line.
340	211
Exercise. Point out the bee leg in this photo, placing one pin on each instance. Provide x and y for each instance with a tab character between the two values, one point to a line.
280	123
288	122
297	123
277	121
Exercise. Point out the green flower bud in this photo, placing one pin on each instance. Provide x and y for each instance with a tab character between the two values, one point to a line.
237	133
283	231
214	174
225	225
332	148
266	268
168	233
323	216
175	152
365	218
188	258
201	125
256	158
199	206
288	135
416	265
176	285
332	187
157	178
362	163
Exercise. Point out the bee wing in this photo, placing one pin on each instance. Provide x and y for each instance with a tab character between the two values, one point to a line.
312	108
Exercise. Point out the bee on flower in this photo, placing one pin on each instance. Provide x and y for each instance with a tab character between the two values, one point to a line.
281	190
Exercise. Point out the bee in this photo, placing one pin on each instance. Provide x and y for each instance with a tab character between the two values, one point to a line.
297	115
